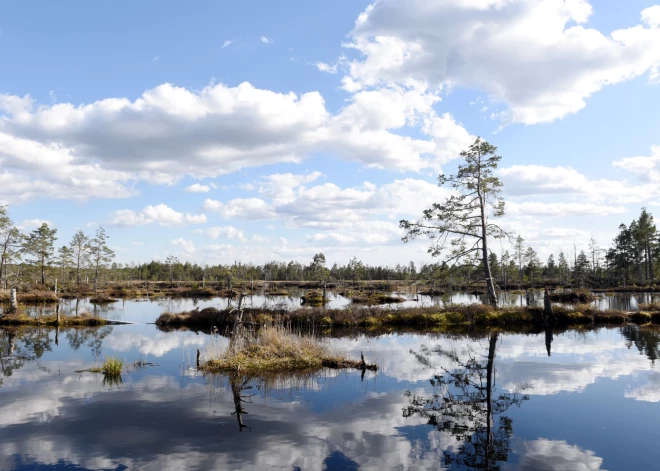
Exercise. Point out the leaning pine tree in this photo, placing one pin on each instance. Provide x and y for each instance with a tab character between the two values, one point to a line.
461	222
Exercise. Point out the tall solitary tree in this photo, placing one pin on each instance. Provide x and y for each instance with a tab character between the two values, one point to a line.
519	250
39	243
462	220
100	253
79	252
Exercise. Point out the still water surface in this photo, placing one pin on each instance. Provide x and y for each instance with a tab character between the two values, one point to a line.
562	401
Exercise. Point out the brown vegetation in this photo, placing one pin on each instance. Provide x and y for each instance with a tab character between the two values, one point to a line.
448	317
20	318
275	348
573	297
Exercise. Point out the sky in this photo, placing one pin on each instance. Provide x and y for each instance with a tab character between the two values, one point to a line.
254	131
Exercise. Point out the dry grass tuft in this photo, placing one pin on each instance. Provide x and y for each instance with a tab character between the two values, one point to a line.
275	348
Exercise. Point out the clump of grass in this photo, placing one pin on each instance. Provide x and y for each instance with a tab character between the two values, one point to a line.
275	348
112	366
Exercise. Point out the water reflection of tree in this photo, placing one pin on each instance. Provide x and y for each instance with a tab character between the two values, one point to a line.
464	405
647	340
18	346
238	385
92	338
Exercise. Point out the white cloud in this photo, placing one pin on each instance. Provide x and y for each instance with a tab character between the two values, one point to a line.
555	455
651	16
564	233
186	245
197	188
329	68
161	214
227	43
561	209
14	104
260	239
266	40
524	180
242	208
34	223
649	392
101	149
229	232
647	169
345	215
536	56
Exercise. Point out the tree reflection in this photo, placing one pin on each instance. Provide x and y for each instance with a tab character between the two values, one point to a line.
238	385
22	345
89	337
646	339
464	405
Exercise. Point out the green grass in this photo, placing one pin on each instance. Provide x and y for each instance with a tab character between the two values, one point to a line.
112	366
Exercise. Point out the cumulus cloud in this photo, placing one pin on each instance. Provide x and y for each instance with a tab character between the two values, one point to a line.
344	215
197	188
562	209
242	208
647	169
230	232
186	245
266	40
651	16
525	180
100	149
535	56
161	214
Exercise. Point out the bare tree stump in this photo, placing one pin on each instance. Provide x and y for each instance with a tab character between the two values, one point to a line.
13	302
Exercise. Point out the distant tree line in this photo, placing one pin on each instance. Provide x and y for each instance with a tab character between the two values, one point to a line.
633	258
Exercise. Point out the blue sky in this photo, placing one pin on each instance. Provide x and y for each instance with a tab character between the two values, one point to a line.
312	126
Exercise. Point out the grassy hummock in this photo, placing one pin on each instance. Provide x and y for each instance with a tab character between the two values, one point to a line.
275	349
81	320
102	299
576	296
415	317
377	298
313	298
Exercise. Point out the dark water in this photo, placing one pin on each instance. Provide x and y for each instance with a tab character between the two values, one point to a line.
592	405
147	310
